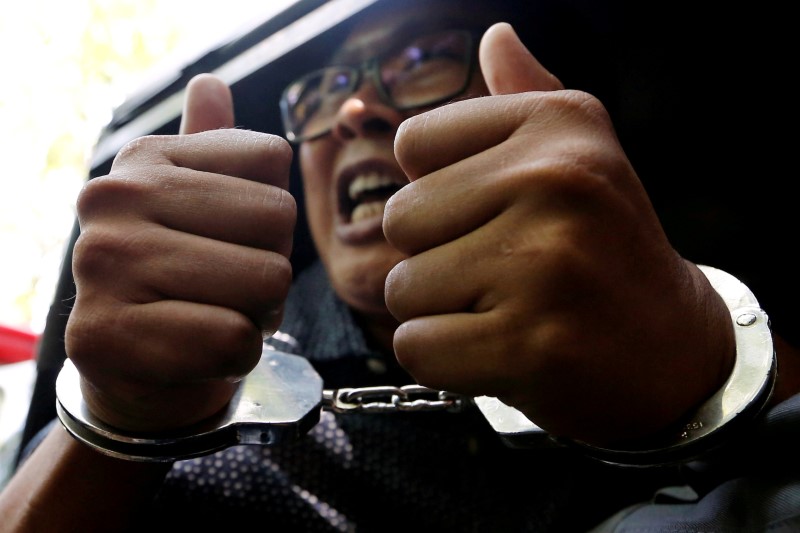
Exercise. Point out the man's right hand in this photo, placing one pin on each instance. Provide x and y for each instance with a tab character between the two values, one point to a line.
181	266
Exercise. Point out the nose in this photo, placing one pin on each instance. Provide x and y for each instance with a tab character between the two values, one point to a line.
364	113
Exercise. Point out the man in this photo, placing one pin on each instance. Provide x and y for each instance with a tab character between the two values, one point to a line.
499	245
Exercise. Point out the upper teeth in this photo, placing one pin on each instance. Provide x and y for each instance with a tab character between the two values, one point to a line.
366	182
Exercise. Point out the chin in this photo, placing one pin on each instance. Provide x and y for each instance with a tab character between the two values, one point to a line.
364	293
360	284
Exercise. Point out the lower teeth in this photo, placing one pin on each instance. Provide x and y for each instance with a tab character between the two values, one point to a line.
367	210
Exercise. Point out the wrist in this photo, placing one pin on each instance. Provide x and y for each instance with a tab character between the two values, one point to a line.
745	392
742	396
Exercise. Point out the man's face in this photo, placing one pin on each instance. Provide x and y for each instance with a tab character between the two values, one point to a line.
350	172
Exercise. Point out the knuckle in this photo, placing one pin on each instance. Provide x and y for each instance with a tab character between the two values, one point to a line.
398	219
95	194
405	349
140	149
239	337
100	250
275	278
92	251
579	102
392	213
576	110
287	206
413	354
79	330
410	141
89	329
114	193
270	276
280	150
271	322
272	152
395	291
280	210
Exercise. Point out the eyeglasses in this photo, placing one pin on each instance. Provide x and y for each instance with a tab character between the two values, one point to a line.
429	70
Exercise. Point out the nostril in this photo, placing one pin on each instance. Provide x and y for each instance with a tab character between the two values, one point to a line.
376	125
373	125
344	132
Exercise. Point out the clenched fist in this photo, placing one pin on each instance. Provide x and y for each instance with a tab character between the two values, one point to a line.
538	271
181	266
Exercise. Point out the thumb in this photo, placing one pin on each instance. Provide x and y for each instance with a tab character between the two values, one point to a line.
208	105
507	65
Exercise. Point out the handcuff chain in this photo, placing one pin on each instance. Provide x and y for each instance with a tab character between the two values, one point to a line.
389	399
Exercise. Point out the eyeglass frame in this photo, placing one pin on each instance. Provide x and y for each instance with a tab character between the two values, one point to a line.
370	69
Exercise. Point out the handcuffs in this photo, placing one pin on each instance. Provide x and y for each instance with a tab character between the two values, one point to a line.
282	399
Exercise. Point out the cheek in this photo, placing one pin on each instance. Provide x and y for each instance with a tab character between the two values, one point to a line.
311	161
315	163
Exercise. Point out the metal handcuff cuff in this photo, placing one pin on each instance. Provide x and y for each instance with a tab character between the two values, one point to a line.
282	399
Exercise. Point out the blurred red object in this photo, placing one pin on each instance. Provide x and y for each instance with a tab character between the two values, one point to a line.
16	344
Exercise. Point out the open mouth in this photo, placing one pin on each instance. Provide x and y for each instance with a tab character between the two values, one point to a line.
365	195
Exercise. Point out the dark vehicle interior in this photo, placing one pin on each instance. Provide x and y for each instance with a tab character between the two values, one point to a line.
679	82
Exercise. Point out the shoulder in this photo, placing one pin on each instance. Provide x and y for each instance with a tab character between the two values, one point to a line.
754	476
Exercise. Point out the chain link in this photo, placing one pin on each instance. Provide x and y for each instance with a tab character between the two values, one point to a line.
388	399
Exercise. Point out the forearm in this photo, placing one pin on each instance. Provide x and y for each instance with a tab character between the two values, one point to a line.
66	486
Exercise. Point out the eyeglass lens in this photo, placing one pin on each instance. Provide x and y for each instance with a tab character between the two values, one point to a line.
430	69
